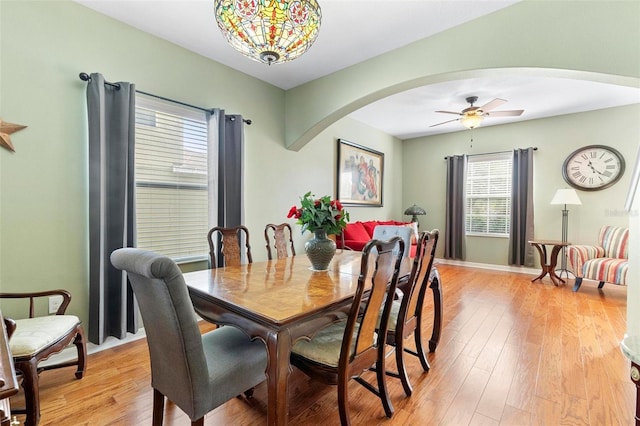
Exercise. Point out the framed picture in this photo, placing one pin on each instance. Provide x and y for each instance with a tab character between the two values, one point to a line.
359	175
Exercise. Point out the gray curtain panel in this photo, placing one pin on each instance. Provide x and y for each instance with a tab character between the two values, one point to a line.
521	230
230	171
454	235
111	114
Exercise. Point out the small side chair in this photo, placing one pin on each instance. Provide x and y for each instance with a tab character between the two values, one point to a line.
345	349
35	339
196	372
406	313
228	246
282	240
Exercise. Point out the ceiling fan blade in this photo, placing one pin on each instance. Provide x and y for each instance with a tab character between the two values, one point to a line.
492	104
450	112
444	122
511	113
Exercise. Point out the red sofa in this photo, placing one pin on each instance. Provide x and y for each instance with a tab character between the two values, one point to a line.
357	234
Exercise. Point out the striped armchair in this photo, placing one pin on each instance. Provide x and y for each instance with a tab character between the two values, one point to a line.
607	263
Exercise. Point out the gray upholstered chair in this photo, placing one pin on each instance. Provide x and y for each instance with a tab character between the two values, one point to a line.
406	313
345	349
385	232
196	372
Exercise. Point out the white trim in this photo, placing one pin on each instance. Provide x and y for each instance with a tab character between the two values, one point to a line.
503	268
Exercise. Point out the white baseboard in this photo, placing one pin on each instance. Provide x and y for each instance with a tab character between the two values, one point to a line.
70	353
503	268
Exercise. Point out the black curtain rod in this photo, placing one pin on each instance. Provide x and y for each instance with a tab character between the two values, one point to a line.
535	148
86	77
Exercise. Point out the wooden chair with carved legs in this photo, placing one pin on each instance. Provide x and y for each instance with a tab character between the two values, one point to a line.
36	338
345	349
282	240
406	313
227	243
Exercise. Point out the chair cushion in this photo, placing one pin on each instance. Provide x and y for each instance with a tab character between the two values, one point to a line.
324	348
606	269
34	334
393	316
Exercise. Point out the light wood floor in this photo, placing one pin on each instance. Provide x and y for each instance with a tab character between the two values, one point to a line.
512	353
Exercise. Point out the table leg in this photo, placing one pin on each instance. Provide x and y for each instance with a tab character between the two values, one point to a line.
552	265
278	371
542	252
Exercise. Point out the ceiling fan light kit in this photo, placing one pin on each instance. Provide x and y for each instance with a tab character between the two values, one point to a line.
472	116
269	31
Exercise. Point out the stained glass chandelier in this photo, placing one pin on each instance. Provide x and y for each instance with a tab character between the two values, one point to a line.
269	31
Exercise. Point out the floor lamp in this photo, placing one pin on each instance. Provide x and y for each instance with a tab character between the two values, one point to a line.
564	197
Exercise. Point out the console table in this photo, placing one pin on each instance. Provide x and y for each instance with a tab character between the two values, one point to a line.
548	265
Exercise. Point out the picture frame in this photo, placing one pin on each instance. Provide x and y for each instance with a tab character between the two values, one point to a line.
359	175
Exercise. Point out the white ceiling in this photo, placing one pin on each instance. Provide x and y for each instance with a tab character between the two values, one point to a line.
355	30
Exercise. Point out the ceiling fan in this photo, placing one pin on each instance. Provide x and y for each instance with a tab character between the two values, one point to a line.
472	116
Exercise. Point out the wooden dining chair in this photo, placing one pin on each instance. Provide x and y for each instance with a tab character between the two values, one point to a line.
345	349
228	242
405	318
196	372
282	240
35	338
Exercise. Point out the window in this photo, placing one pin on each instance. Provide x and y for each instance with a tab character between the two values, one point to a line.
171	179
488	194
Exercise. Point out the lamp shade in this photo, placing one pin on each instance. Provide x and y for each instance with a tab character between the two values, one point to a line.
415	210
566	196
269	31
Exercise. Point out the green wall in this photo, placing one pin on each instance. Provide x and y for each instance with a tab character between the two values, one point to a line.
590	40
44	45
555	138
43	185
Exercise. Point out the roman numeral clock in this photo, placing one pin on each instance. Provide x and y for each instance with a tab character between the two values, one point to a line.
593	167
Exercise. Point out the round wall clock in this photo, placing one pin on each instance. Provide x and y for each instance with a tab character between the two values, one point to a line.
593	167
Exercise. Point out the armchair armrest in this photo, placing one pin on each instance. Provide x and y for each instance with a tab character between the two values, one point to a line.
579	254
10	326
66	299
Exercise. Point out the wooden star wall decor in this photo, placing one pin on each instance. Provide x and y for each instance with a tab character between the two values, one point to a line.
5	130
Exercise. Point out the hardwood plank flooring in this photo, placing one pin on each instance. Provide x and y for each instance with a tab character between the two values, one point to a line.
512	352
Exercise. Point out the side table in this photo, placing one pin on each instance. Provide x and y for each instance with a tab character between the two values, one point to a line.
548	265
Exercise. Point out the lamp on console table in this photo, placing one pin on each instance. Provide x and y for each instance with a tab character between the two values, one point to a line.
565	196
415	211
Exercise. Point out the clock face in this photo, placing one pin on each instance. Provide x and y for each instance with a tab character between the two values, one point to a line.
593	167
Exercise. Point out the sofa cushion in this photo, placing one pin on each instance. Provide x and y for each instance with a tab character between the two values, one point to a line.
369	226
356	232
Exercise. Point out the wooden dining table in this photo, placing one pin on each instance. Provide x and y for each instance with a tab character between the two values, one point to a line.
278	301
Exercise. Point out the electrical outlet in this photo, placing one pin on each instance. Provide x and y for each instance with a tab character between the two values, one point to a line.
54	303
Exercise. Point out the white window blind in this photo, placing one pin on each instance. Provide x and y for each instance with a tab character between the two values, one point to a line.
488	194
171	179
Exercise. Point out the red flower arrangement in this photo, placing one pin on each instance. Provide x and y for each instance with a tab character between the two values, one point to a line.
320	214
